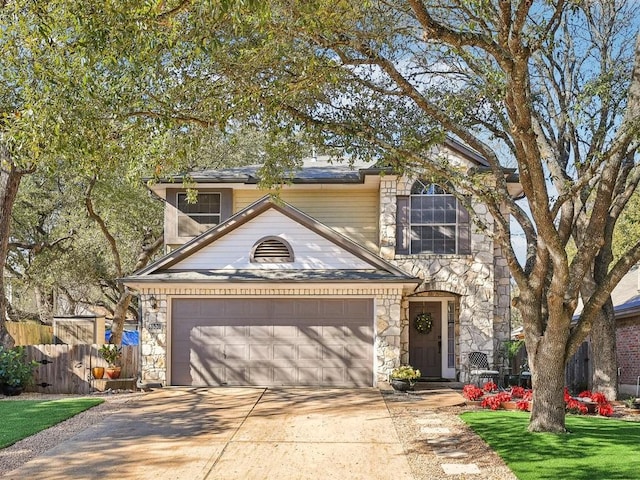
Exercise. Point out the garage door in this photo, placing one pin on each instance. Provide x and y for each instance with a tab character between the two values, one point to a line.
272	342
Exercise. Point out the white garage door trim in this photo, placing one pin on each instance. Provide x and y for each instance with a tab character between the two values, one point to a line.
272	341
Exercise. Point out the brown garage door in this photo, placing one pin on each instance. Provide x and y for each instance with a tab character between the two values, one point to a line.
272	342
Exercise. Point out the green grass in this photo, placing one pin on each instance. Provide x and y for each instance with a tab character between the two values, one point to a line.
596	448
22	418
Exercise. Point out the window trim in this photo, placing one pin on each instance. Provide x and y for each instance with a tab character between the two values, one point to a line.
431	190
180	214
404	225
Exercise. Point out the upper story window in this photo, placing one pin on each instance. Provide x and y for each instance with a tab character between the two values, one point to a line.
431	220
195	218
271	250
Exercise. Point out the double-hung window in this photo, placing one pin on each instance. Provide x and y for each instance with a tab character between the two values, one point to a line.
432	221
194	218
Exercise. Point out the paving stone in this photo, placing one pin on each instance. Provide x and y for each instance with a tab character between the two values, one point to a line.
460	468
429	421
450	452
435	430
444	441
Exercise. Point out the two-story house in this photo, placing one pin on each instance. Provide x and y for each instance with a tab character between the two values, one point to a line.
349	273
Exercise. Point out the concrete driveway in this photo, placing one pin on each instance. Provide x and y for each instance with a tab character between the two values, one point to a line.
234	433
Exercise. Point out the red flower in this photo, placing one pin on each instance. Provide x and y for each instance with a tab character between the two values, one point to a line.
576	406
599	398
471	392
585	394
490	387
606	410
517	392
523	405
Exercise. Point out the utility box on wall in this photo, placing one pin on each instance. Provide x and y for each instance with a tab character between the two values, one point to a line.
78	329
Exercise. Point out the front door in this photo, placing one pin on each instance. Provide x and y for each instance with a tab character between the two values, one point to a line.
425	348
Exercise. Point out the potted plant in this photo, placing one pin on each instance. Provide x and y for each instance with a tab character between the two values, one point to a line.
404	377
16	372
632	405
111	354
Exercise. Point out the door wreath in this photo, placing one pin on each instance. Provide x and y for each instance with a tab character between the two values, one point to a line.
423	322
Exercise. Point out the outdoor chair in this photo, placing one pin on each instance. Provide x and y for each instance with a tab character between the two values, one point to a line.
479	369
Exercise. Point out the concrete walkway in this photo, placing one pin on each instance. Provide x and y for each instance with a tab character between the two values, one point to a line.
234	433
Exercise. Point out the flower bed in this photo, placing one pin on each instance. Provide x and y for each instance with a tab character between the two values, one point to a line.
586	402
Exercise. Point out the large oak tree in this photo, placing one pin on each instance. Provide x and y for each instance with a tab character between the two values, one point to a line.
552	87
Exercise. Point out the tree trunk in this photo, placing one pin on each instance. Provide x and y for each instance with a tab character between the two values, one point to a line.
548	378
547	362
119	316
603	347
44	305
10	177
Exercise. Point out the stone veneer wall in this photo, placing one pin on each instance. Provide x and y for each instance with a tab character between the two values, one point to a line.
154	332
480	280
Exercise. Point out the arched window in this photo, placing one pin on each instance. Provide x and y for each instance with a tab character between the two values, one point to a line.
271	250
431	220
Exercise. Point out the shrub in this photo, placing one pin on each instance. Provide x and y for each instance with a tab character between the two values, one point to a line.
15	370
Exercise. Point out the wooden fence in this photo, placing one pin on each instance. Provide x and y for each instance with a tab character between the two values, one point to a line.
67	368
27	333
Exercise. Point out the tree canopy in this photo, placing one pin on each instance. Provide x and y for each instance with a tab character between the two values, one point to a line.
551	87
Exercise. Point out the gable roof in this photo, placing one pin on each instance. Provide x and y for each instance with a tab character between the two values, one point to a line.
167	268
324	170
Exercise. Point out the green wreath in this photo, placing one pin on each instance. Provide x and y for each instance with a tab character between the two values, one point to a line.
423	322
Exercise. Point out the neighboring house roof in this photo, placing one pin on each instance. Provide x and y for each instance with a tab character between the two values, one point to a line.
362	265
625	297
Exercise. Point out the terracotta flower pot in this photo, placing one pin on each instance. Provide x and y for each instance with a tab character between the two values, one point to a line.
113	372
97	372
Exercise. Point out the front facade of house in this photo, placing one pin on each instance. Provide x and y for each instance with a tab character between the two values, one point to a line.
321	286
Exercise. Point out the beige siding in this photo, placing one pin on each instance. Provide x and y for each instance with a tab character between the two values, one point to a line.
351	212
232	251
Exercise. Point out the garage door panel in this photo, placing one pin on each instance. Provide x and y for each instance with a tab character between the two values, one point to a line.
284	352
285	376
309	352
261	331
285	331
260	352
236	352
235	331
356	352
240	342
310	332
309	376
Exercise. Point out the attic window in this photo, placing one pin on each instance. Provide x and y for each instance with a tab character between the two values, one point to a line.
271	250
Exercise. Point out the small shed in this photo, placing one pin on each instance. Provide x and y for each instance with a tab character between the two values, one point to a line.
73	330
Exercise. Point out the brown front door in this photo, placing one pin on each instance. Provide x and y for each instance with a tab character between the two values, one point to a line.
425	349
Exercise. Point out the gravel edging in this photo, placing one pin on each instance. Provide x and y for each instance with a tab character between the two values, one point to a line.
14	456
425	464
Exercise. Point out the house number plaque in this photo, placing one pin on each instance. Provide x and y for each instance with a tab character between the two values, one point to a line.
155	327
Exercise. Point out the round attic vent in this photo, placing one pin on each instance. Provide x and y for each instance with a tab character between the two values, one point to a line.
271	250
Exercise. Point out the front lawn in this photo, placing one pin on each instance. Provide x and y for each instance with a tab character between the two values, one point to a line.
597	447
22	418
